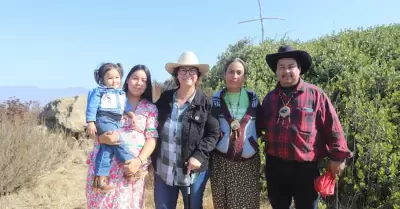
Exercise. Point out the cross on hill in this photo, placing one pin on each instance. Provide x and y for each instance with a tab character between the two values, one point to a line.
261	19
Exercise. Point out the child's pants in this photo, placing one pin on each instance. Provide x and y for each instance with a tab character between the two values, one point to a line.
106	152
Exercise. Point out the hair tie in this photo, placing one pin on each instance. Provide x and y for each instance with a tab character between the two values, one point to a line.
97	76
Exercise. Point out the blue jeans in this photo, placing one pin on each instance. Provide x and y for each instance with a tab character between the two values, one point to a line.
165	196
106	152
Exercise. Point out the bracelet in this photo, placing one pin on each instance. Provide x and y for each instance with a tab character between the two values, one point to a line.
141	161
98	139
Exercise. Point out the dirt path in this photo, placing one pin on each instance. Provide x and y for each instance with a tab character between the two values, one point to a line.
62	188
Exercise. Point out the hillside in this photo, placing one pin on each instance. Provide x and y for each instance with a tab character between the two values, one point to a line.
42	95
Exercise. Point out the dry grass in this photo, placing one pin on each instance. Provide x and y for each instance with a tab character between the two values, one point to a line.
27	150
64	188
39	170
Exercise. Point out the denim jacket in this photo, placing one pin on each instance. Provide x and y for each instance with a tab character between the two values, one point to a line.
105	103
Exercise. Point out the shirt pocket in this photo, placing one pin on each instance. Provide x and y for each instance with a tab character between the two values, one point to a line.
198	119
305	120
197	123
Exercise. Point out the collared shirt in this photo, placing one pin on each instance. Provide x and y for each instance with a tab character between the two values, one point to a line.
168	165
310	132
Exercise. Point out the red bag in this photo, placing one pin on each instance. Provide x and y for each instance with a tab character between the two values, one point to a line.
325	184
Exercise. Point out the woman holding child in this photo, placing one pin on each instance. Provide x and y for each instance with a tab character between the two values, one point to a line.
139	136
235	167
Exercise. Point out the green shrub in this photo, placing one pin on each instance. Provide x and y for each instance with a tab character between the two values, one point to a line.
359	70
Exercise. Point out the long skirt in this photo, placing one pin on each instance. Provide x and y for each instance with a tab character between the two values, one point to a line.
235	185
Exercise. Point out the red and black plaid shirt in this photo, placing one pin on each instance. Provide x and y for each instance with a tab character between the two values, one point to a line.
311	131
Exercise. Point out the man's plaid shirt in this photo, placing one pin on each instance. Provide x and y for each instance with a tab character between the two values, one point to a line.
311	131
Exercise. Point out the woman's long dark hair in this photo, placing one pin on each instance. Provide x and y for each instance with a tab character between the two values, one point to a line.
148	93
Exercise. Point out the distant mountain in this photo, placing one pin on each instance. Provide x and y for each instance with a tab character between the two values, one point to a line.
42	95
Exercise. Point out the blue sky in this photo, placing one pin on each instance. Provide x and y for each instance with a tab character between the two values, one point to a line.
57	44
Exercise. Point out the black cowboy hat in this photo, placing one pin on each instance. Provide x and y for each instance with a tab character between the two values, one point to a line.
302	57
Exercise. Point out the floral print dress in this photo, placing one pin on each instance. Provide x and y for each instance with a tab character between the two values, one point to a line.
125	195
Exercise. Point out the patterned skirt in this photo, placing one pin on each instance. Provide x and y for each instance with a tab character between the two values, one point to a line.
235	185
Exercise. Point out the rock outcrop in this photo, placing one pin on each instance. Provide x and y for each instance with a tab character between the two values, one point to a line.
68	114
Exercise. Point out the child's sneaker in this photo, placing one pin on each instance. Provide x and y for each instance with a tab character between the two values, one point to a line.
101	183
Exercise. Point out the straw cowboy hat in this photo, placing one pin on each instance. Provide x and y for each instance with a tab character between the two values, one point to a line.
302	57
187	59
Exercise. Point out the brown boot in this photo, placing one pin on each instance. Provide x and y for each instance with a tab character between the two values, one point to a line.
101	183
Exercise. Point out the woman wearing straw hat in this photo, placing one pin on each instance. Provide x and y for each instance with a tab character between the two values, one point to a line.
188	133
235	169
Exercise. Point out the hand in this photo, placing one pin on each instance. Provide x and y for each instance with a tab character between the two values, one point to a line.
336	168
110	138
133	121
91	129
193	164
130	115
132	167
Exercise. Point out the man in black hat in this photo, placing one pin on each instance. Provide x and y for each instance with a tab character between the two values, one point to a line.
301	127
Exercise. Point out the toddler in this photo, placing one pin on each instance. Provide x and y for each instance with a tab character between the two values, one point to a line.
104	111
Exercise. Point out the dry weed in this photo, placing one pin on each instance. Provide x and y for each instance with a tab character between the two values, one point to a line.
29	157
63	188
27	150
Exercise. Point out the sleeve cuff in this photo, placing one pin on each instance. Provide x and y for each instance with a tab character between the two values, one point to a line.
90	120
340	157
199	156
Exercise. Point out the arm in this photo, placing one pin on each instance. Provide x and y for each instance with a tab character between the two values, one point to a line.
263	115
93	103
259	120
147	149
209	140
151	135
332	131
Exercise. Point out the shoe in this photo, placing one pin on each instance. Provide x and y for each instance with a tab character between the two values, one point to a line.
101	183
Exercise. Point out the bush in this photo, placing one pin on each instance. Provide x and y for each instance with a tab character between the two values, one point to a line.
359	70
27	149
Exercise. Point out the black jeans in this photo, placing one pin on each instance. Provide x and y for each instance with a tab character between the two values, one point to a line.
289	179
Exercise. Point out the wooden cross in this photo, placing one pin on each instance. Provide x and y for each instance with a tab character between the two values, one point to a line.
261	19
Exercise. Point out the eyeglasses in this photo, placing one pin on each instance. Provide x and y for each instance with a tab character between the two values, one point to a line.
184	71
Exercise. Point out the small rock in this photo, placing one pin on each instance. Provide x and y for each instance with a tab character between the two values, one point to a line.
77	160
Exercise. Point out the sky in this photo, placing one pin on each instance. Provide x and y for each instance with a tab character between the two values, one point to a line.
58	44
